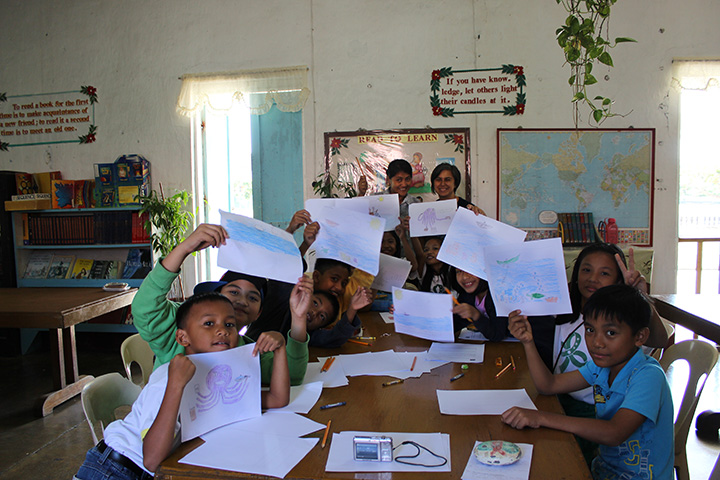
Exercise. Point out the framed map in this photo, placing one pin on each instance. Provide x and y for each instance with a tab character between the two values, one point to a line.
603	171
348	155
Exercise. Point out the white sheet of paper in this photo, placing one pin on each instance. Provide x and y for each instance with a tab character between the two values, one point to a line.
457	352
334	377
350	237
468	234
482	402
387	317
422	365
224	389
315	205
529	276
387	207
431	218
466	334
393	272
370	363
340	458
302	398
423	315
252	452
260	249
271	422
520	470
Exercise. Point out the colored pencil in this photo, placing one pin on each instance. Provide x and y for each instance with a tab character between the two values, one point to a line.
503	370
327	430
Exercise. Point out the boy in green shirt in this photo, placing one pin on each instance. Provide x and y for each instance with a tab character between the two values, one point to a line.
154	315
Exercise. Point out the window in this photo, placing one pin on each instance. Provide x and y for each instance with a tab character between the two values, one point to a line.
699	172
247	144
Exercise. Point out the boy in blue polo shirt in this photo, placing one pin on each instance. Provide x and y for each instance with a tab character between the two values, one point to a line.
634	410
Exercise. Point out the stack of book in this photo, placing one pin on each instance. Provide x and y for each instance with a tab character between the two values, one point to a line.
45	265
577	228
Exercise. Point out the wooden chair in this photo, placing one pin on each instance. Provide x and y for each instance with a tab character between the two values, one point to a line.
101	397
135	349
701	358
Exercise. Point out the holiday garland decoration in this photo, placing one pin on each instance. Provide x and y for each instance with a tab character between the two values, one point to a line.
457	92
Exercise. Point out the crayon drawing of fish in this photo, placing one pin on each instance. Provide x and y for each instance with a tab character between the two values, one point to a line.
509	260
536	296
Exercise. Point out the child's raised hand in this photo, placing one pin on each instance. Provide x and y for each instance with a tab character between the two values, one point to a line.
465	310
300	218
476	210
268	342
300	297
362	298
310	233
205	235
520	418
405	222
519	326
631	276
180	370
362	185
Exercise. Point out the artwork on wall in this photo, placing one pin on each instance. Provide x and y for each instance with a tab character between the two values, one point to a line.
47	118
348	155
608	172
481	90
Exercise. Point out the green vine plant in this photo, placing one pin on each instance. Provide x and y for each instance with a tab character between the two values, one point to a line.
583	44
328	186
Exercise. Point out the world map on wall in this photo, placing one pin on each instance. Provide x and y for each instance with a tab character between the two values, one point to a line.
608	173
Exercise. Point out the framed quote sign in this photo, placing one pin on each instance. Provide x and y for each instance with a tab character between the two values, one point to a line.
348	155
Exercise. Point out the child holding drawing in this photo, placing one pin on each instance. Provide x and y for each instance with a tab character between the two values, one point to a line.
154	315
598	265
133	448
434	274
475	307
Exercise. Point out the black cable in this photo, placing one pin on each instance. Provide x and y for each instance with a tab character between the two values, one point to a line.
418	446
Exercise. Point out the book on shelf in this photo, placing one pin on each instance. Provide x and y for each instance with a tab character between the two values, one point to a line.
38	265
577	228
115	269
82	268
138	263
63	193
61	266
99	269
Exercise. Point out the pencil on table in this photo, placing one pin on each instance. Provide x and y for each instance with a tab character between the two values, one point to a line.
328	363
352	340
503	370
327	430
413	365
512	361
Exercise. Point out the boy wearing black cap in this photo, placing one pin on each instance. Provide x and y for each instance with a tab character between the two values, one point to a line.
154	315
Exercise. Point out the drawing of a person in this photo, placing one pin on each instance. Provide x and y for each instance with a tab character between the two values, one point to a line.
418	175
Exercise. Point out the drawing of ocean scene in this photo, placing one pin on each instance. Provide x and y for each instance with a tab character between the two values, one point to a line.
530	277
423	315
260	249
350	237
468	234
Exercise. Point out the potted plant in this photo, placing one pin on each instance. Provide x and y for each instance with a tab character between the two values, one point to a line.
168	220
328	186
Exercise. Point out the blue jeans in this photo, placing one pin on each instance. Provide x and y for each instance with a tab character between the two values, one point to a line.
98	466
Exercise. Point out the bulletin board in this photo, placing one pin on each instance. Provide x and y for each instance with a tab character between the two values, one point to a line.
348	155
607	172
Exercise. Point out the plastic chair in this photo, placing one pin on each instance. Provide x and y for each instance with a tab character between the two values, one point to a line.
135	349
701	358
102	396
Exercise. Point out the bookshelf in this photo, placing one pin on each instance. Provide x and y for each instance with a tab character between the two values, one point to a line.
97	234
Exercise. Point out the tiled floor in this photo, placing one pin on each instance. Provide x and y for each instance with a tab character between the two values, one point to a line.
53	447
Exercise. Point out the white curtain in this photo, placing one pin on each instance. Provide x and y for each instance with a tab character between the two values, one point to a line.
696	74
257	89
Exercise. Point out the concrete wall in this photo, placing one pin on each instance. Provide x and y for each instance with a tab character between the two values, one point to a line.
369	62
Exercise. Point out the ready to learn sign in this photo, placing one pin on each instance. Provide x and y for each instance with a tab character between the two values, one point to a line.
45	118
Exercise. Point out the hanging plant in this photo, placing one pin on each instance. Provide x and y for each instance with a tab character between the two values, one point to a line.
584	45
328	186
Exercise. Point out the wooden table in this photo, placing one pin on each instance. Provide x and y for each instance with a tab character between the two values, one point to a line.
59	309
697	312
413	407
